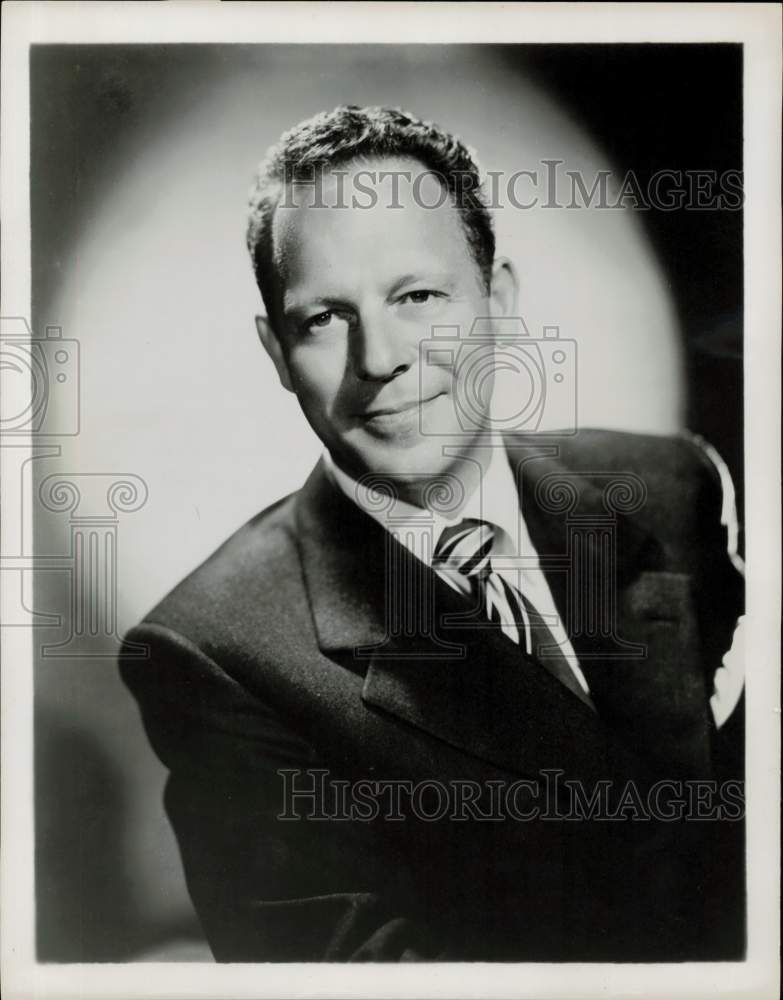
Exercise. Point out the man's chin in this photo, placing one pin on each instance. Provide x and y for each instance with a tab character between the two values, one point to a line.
410	461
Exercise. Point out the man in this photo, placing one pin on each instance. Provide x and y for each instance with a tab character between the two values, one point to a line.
452	699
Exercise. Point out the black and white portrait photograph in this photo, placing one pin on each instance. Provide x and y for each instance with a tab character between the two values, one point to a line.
391	499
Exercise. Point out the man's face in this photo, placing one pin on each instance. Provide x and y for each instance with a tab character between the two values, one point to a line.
361	288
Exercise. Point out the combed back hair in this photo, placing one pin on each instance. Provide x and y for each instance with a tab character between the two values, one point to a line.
336	138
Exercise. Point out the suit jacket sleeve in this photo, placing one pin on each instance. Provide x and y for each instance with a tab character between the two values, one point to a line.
265	889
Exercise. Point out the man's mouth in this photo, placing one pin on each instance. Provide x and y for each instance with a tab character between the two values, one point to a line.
396	415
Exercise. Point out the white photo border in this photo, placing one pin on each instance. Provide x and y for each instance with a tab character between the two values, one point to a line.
758	28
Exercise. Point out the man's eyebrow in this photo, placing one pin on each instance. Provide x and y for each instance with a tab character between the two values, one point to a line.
441	278
295	307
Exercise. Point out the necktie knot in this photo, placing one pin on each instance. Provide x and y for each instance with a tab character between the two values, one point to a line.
462	557
465	548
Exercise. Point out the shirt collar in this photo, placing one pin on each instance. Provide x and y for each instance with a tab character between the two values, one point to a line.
496	501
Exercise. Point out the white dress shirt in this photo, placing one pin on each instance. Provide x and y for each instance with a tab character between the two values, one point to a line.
730	676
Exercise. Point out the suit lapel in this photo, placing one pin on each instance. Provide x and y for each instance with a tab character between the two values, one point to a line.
342	553
379	608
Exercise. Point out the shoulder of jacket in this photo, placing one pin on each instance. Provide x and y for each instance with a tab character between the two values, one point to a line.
678	473
613	449
658	458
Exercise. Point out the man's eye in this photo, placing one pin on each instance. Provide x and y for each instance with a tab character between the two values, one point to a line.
331	322
419	297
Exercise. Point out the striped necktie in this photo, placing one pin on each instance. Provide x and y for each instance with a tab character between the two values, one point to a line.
462	558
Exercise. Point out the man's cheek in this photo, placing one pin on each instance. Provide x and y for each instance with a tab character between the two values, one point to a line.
317	386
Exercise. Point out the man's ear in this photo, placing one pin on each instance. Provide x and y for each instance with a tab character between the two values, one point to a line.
504	291
274	349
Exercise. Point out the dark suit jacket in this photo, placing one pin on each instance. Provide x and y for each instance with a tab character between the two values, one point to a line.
281	652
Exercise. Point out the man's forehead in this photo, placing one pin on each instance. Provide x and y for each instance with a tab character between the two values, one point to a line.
387	180
377	207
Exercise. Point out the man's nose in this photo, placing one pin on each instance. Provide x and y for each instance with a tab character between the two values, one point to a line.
381	349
